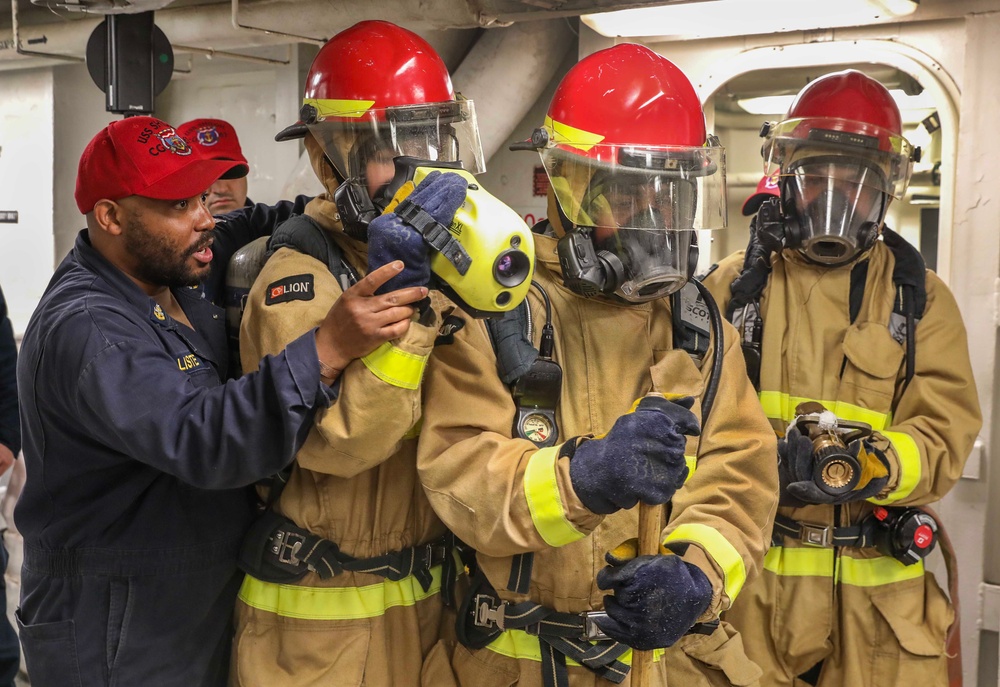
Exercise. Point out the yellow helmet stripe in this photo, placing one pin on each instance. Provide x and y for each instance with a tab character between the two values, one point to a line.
339	108
564	134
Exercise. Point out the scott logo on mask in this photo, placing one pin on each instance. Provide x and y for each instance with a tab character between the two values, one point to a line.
298	287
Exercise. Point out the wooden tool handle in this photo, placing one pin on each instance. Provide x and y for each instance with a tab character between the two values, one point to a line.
649	545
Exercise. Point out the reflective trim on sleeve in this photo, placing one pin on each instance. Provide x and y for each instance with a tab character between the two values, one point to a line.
519	644
910	467
541	489
781	406
336	603
719	549
395	366
858	572
692	463
329	107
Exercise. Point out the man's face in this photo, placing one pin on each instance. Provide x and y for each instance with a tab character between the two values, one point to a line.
226	195
167	242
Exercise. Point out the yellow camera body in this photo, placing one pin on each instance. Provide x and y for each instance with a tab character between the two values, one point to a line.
496	239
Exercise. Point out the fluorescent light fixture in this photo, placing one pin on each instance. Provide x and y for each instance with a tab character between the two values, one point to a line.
779	104
716	18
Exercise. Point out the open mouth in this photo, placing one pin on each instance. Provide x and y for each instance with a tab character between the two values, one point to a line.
203	253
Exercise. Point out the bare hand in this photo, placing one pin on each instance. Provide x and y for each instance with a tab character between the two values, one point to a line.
6	459
359	322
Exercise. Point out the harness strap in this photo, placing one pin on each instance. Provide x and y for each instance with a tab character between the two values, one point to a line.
435	234
294	551
560	635
820	535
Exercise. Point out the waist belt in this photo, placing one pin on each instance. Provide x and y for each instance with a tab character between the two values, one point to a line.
277	550
820	535
560	635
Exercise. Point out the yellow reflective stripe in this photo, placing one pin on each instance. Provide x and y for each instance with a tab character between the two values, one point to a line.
395	366
692	463
544	503
734	572
519	644
819	562
565	134
909	467
328	107
873	572
336	603
781	406
805	562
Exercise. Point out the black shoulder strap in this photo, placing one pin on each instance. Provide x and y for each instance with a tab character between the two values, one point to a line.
910	272
304	234
691	324
509	336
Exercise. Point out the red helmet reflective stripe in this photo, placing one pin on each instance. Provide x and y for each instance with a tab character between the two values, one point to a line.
861	103
627	94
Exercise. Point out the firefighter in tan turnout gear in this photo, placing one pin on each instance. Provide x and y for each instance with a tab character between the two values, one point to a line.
349	569
534	450
848	335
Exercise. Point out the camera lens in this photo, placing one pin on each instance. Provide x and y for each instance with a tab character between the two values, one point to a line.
511	268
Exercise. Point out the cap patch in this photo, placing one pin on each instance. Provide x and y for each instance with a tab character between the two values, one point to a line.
299	287
207	135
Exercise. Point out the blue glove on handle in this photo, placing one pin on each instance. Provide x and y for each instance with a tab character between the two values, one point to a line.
390	238
640	459
656	599
795	472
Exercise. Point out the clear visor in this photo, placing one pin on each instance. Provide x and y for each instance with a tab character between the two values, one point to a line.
631	187
876	148
839	208
362	144
655	263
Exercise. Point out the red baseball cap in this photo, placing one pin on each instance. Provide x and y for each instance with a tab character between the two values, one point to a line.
218	140
767	187
143	156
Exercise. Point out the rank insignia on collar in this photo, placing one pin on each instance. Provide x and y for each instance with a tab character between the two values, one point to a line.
158	313
298	287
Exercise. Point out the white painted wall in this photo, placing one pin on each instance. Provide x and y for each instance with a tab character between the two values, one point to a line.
26	155
79	115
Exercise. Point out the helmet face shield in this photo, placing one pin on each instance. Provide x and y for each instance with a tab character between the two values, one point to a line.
639	187
361	143
858	143
838	204
655	262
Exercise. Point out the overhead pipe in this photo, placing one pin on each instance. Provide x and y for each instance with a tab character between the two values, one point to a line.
210	27
273	32
506	72
16	37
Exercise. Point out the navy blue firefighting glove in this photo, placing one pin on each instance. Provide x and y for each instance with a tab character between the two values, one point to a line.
392	238
656	598
640	459
796	468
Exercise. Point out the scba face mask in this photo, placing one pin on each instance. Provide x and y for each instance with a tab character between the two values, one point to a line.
834	207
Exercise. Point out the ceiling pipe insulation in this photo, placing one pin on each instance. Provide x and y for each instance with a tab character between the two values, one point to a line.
506	72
